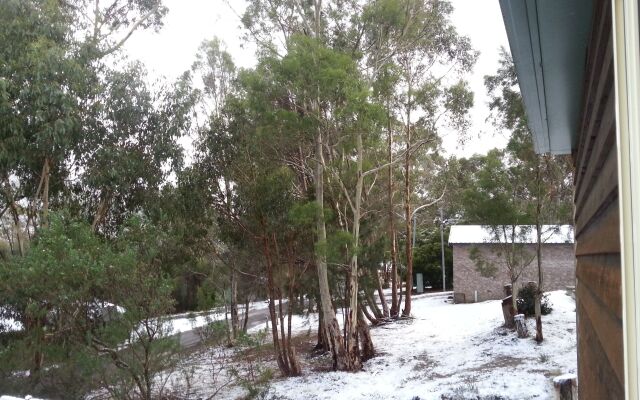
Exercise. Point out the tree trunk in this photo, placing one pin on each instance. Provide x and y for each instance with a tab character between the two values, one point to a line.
383	299
400	295
521	326
45	193
395	305
406	312
514	297
538	300
374	307
294	364
368	351
101	212
285	342
322	341
332	333
17	227
272	308
373	320
235	320
246	315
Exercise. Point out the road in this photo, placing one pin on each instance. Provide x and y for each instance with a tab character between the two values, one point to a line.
191	338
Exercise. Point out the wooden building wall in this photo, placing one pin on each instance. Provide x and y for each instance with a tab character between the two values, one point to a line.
598	287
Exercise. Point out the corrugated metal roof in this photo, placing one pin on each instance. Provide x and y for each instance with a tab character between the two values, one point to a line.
502	234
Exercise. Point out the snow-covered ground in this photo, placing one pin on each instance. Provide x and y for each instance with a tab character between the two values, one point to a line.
178	323
448	349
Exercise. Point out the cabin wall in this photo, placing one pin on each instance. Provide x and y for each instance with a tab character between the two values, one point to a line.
558	269
598	286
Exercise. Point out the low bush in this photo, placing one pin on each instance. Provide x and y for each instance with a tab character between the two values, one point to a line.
527	301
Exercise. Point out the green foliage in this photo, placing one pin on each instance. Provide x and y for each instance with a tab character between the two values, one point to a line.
60	292
256	384
527	301
340	247
207	296
485	267
427	259
303	215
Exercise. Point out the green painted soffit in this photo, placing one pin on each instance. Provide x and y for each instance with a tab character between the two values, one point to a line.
548	40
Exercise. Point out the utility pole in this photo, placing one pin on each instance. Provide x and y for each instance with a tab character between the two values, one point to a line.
444	286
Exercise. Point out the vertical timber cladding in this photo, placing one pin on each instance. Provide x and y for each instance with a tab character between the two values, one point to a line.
598	286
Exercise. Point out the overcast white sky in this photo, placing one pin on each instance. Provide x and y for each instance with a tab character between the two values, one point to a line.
172	51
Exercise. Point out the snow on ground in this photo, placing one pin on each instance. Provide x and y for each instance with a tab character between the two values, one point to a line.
299	324
188	323
10	325
179	323
451	348
445	350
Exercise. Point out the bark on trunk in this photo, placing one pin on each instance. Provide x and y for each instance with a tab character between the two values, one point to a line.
514	297
373	320
383	299
395	305
235	320
45	193
332	332
322	340
374	307
368	351
17	227
521	326
406	312
538	300
246	315
272	309
101	212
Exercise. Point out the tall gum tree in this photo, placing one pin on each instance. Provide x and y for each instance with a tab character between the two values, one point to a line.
418	52
549	176
52	54
292	20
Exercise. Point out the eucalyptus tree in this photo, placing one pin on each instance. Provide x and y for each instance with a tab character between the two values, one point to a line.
216	70
105	26
51	77
499	198
549	176
289	22
133	146
420	59
253	192
42	79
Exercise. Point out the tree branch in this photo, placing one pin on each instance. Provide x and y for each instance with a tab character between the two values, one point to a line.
401	157
135	26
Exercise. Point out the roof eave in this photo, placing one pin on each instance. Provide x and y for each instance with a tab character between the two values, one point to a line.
548	41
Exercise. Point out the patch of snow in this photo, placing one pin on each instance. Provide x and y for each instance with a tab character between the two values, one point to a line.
189	323
10	325
564	377
449	346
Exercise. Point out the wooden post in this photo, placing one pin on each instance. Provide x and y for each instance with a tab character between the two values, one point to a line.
507	312
566	387
521	326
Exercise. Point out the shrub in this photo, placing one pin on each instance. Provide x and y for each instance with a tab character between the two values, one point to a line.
527	300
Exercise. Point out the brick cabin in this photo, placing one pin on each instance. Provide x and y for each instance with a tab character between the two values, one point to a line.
558	261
